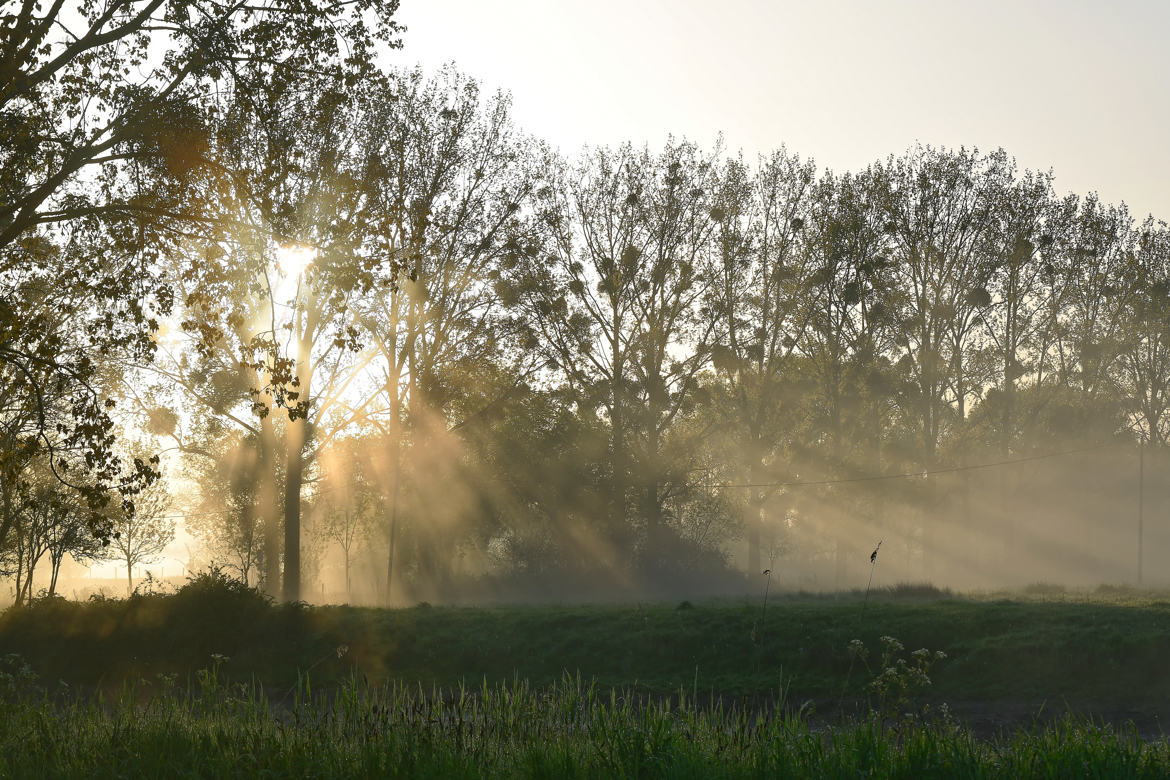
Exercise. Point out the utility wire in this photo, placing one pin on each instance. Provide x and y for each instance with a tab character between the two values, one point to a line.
918	474
813	483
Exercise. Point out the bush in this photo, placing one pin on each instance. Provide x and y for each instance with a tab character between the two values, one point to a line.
918	590
214	595
215	583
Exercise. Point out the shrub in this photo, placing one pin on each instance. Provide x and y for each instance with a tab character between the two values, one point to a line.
918	590
897	680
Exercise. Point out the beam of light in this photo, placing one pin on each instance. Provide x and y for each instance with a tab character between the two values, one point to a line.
293	259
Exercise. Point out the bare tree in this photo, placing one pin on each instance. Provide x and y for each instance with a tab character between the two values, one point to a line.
228	518
141	536
347	499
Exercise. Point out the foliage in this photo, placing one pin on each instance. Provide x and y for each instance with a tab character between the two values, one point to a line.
896	681
104	111
1098	653
632	364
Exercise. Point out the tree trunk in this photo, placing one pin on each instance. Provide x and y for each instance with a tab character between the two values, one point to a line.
292	510
296	433
345	551
54	570
8	521
392	388
617	506
1008	518
393	537
18	594
754	511
267	503
28	587
617	436
655	538
753	519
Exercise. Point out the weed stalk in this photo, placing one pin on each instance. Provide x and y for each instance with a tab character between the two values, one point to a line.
861	618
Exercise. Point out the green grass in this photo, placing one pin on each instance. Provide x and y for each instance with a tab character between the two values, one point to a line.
1099	649
213	682
566	730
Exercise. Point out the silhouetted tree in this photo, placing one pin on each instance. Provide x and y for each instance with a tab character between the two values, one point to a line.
102	118
624	305
453	193
764	280
1144	365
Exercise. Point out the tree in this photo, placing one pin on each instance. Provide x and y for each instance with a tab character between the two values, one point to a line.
84	88
227	518
1144	365
453	192
101	121
1014	299
216	387
621	300
847	305
763	280
141	536
940	206
1092	262
69	534
55	345
347	499
268	293
540	474
51	520
323	200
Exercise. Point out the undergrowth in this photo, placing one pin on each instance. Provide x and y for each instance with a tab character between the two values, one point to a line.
217	681
1095	655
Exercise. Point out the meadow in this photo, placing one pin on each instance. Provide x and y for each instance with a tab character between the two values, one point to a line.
216	681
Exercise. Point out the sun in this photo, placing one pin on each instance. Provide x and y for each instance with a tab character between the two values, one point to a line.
293	259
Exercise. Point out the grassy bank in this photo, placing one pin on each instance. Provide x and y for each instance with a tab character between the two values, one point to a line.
1110	649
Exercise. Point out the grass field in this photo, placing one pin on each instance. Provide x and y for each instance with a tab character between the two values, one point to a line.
215	680
1111	647
566	730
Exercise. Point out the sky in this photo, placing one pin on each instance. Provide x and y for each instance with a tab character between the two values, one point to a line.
1074	86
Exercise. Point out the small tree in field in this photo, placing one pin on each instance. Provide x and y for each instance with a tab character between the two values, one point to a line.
349	503
349	524
142	536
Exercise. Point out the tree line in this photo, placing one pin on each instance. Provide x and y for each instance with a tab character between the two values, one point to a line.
379	322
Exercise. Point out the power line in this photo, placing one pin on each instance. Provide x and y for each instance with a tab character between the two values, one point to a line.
918	474
820	482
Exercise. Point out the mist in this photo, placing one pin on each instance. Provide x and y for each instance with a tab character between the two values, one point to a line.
440	362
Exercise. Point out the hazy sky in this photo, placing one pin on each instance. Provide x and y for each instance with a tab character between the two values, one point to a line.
1080	87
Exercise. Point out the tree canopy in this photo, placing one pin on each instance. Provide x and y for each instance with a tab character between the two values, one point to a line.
385	327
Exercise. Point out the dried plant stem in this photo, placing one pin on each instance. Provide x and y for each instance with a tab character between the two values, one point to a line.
861	618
